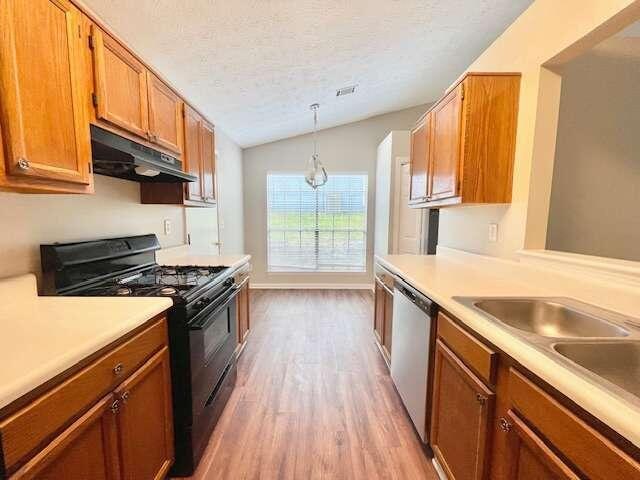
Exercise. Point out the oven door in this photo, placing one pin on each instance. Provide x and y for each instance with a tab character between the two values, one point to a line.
213	340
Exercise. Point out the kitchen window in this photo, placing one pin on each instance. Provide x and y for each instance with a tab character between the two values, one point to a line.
323	230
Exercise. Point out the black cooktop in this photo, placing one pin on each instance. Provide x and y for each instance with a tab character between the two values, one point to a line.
156	281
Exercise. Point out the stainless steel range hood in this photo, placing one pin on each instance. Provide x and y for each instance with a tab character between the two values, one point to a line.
120	157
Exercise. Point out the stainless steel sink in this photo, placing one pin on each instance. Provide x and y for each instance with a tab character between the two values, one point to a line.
600	345
616	362
549	318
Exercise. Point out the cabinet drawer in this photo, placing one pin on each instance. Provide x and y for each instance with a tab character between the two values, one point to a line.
29	428
476	355
592	453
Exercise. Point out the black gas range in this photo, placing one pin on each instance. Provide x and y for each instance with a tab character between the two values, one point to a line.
202	322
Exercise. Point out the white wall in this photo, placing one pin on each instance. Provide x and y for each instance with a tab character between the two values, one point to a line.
230	197
596	178
347	148
114	210
547	30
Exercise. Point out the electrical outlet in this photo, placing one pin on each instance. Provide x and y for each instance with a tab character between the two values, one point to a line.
167	227
493	232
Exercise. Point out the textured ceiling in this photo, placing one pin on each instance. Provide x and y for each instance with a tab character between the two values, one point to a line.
254	66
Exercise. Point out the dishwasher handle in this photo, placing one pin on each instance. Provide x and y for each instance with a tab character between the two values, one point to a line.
414	296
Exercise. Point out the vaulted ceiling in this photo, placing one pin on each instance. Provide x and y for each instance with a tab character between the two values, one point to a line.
255	66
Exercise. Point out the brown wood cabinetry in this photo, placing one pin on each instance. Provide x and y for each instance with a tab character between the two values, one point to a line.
110	418
144	419
129	97
165	115
120	85
462	409
87	449
193	153
469	140
383	313
529	457
43	121
199	160
244	319
419	165
208	162
491	418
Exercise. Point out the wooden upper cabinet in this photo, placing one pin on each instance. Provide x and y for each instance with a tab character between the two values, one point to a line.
444	151
419	160
165	115
120	85
192	151
208	162
470	143
43	120
145	421
462	410
87	449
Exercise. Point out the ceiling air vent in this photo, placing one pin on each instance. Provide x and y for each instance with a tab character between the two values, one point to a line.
346	90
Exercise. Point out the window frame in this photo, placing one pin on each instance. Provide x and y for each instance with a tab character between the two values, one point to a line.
302	271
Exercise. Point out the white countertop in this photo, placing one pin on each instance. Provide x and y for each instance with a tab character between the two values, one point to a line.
41	337
185	255
453	273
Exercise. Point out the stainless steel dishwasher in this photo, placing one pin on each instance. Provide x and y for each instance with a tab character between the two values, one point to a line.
413	318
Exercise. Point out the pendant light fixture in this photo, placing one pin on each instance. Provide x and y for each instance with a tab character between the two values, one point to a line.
316	174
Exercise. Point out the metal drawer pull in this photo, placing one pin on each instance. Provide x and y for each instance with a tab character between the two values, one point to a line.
118	369
23	163
505	426
125	396
481	398
115	406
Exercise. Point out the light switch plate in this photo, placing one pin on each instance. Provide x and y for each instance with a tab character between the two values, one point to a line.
167	227
493	232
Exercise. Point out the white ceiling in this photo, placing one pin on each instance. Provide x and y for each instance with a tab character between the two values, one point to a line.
255	66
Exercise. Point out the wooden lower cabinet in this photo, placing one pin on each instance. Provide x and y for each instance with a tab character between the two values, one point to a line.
125	433
87	449
491	418
243	313
529	457
144	419
462	411
383	314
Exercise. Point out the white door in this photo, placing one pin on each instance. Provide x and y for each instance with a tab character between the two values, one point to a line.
409	220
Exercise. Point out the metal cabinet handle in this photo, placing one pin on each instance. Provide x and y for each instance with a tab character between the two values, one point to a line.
23	163
505	425
118	369
481	398
125	396
115	406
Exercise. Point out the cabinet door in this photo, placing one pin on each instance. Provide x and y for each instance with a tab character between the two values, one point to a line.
208	162
87	449
461	413
42	117
378	312
165	115
444	148
388	322
529	458
192	153
243	313
145	423
419	160
120	85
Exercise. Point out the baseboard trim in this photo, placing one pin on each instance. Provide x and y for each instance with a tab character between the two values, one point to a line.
311	286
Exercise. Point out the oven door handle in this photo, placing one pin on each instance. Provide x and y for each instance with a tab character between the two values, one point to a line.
210	313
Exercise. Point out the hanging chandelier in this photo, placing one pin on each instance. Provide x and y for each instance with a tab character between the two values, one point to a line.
316	174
